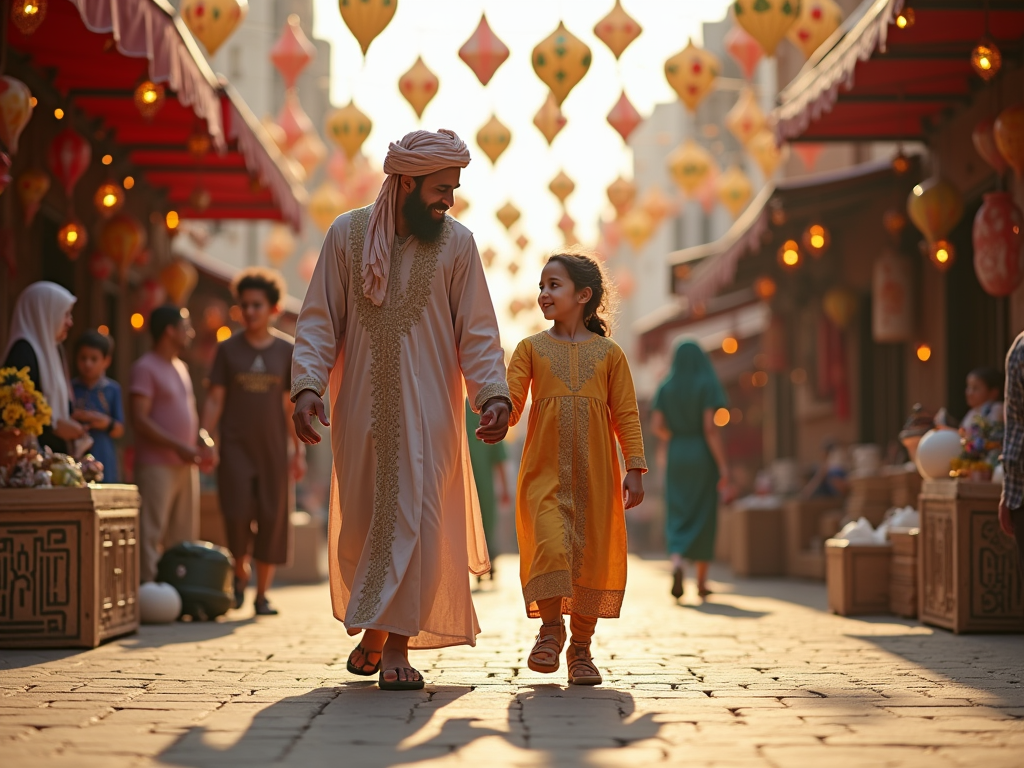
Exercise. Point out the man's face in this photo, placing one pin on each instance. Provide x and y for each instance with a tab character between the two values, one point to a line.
428	200
256	309
182	334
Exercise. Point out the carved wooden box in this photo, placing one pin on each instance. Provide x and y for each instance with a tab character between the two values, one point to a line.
803	525
69	566
903	572
968	578
857	577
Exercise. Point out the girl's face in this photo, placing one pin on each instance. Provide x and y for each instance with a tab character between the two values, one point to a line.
978	392
62	332
559	300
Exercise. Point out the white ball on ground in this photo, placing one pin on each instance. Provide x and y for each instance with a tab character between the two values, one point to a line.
936	450
159	603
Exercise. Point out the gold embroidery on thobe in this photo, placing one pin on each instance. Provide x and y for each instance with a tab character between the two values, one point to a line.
307	382
387	325
491	391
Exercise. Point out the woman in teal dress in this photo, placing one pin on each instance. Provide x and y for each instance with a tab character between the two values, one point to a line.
684	409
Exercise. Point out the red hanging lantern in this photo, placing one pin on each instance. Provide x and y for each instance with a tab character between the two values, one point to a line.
624	118
100	266
122	238
149	98
484	52
69	157
27	15
998	244
292	52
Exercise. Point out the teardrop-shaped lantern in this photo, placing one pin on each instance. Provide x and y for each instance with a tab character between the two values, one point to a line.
935	206
817	21
211	22
692	73
1009	135
15	111
561	186
656	203
367	18
508	215
746	119
493	138
292	52
293	119
566	224
744	50
69	157
179	279
998	244
560	61
309	151
549	118
347	128
488	256
32	186
483	52
840	306
766	153
689	164
624	118
622	195
637	227
339	168
122	238
325	205
617	30
984	141
279	245
522	241
418	86
892	299
767	21
734	190
28	15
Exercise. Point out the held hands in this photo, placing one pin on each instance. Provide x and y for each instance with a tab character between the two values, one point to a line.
308	404
493	422
633	488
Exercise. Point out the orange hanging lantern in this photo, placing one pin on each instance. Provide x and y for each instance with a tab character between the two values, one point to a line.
621	194
637	227
32	186
100	266
483	52
72	239
122	239
840	306
789	255
348	128
508	215
561	186
325	205
744	49
179	279
418	86
109	199
28	15
765	288
657	204
488	256
690	164
198	142
493	138
624	118
935	207
15	111
692	73
617	30
734	190
69	156
513	268
766	153
279	245
767	21
339	168
746	119
293	120
1009	134
892	299
549	118
986	59
816	240
292	52
560	61
817	21
367	18
894	221
211	22
521	242
984	141
942	254
149	98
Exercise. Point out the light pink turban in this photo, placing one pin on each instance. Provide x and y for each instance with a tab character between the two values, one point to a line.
417	154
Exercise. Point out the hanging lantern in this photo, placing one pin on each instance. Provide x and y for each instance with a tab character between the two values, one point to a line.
508	215
493	138
566	224
624	118
892	299
179	279
707	192
339	168
692	73
32	186
637	227
522	242
488	256
325	205
483	52
560	61
789	255
894	221
561	186
998	244
617	30
935	207
621	194
767	21
109	199
307	265
69	156
513	268
657	204
817	21
211	22
985	143
549	118
690	164
15	111
309	151
900	163
766	153
764	288
986	59
746	119
905	18
275	132
100	266
942	254
199	199
149	98
625	283
611	234
122	238
840	306
367	18
292	52
1009	134
816	240
279	245
27	15
293	120
418	86
348	128
198	142
808	153
459	206
72	239
734	190
744	49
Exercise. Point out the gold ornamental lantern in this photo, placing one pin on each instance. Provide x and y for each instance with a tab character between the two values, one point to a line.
935	206
766	153
690	164
656	203
179	279
15	111
508	215
561	186
367	18
549	118
746	119
817	21
325	205
522	241
734	190
637	227
418	86
211	22
493	138
767	21
624	118
622	195
348	128
560	61
617	30
692	73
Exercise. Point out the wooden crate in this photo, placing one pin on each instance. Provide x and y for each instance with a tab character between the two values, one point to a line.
904	488
758	546
869	497
723	535
803	520
857	577
968	577
903	572
69	566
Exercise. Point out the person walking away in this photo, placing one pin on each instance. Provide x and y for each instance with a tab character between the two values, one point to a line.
683	416
571	497
168	448
488	463
98	402
1011	503
396	317
248	412
41	321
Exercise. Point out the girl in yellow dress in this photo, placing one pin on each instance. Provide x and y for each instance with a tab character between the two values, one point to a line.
569	503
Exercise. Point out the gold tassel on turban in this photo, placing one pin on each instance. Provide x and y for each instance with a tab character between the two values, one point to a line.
418	153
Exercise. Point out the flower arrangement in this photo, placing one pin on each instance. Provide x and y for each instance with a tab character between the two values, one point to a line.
23	408
982	442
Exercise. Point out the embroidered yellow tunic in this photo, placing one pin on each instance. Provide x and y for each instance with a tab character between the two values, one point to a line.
569	512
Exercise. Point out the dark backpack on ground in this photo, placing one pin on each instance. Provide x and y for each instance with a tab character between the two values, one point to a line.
202	573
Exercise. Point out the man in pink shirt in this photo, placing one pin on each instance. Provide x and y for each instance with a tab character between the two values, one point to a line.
169	446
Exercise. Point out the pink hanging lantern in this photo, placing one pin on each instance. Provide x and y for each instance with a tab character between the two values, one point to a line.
292	52
338	168
69	157
484	52
998	244
744	50
624	118
293	120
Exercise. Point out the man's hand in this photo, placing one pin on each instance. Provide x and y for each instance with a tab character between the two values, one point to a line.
493	422
308	404
187	453
1005	521
633	488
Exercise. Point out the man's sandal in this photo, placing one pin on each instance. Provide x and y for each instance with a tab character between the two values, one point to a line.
549	643
582	670
366	656
398	684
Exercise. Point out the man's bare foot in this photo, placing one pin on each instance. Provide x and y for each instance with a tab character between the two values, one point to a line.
395	664
366	656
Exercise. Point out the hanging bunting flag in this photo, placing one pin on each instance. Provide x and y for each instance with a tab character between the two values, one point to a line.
483	52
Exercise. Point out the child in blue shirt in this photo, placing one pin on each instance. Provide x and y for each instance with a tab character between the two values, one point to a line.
98	399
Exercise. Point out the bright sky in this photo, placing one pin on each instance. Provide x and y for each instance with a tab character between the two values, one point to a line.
588	149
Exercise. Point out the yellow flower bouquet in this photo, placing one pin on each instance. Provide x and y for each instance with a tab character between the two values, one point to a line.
23	408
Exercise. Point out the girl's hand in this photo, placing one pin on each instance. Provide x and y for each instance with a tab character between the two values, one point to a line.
68	429
633	488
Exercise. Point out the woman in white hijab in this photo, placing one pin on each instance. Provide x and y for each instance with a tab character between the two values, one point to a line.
42	319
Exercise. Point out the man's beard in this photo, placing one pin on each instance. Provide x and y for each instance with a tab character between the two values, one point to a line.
418	217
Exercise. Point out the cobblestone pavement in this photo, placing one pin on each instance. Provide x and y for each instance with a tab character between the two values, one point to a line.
758	676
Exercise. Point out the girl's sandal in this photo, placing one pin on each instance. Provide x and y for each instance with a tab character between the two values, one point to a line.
582	670
549	643
398	684
362	670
